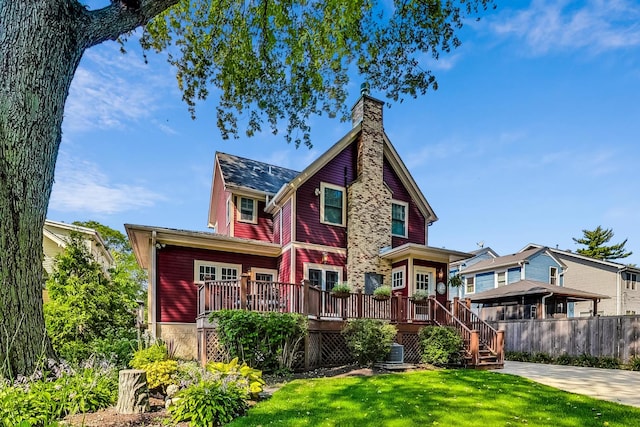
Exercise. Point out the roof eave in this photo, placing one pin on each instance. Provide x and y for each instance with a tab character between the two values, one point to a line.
413	249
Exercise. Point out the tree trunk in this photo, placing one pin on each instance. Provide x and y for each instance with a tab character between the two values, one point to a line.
41	43
133	393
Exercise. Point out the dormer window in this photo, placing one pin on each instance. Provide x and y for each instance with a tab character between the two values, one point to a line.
399	218
247	210
332	204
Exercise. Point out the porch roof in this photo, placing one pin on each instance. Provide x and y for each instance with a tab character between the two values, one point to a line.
423	252
532	287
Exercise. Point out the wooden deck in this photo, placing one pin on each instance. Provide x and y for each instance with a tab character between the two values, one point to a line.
483	344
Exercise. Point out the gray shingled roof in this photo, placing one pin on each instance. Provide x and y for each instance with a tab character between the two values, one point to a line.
502	261
252	174
532	287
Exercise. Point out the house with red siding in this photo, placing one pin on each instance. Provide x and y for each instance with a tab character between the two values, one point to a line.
355	214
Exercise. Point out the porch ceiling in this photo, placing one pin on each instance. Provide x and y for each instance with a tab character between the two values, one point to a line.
423	252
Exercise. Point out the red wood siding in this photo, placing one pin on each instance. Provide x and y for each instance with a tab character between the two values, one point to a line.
219	200
308	226
176	292
284	270
277	235
315	257
404	263
416	232
260	231
286	222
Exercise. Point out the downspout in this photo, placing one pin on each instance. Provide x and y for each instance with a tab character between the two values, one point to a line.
152	292
618	291
544	306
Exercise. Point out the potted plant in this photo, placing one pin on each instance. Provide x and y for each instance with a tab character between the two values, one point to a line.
341	290
382	293
455	281
420	297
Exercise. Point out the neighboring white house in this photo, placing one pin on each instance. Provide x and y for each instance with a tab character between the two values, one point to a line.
56	237
618	281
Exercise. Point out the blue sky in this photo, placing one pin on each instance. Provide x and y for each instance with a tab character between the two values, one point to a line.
531	137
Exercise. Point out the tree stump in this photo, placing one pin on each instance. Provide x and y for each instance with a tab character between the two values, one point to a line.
133	394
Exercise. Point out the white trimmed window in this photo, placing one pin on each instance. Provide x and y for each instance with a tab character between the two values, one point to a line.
247	210
399	218
424	279
501	278
206	270
397	277
470	285
553	276
323	276
631	281
332	204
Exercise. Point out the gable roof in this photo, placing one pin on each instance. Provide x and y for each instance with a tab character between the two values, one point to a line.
502	261
532	287
242	173
618	265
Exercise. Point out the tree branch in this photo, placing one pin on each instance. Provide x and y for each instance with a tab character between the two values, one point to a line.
121	17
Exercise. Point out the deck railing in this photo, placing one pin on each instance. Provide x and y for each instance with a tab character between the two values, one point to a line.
471	337
306	299
487	335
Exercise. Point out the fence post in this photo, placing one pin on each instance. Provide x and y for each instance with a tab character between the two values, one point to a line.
474	347
456	307
359	304
244	285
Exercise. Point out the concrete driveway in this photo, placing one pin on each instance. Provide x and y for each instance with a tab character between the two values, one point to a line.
614	385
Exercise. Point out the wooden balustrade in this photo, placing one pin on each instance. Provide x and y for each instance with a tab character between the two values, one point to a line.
487	335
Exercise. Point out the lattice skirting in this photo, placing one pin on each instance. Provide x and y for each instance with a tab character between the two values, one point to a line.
323	349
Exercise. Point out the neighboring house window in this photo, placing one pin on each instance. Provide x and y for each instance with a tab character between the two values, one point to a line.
323	276
501	278
397	278
470	287
553	276
248	211
399	219
332	204
205	270
631	281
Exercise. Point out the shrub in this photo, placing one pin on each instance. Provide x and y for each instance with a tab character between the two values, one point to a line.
161	374
541	358
440	345
368	340
209	403
153	353
564	359
267	341
243	372
634	363
517	356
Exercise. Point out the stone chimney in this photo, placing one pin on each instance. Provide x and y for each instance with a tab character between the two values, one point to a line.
369	199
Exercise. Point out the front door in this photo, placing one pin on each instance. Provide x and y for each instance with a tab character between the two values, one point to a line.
423	281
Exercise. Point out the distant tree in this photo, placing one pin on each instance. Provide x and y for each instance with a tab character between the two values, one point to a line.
89	312
265	60
595	240
113	239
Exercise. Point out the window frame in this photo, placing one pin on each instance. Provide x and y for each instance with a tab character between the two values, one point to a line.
554	277
504	283
323	187
405	220
217	266
431	279
324	268
469	281
402	272
254	210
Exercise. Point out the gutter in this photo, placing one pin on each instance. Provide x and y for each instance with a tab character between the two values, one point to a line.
543	302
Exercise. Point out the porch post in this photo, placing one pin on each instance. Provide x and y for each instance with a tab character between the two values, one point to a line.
305	297
244	285
456	309
474	347
467	302
359	304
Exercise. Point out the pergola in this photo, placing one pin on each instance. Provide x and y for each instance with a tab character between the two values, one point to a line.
526	294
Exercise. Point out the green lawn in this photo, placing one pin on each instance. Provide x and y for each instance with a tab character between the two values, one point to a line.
425	398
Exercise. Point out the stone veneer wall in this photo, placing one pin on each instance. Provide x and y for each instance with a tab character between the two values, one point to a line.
368	199
184	337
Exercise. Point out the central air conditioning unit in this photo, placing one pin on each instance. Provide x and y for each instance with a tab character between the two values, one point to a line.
396	355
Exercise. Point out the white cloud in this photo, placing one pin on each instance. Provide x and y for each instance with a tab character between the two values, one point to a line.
82	186
112	90
595	25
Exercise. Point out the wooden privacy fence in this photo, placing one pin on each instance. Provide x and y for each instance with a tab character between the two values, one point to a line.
610	336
